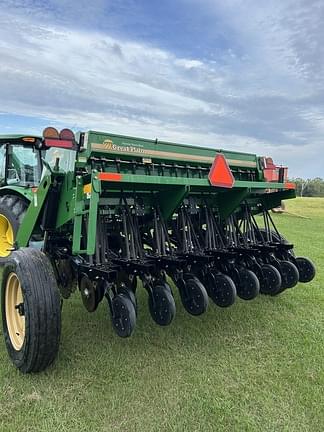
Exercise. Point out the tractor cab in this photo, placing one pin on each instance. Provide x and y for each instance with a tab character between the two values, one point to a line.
22	157
20	161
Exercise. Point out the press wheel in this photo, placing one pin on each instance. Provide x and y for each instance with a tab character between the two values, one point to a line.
193	295
123	315
221	289
248	286
289	274
130	294
161	305
306	269
270	282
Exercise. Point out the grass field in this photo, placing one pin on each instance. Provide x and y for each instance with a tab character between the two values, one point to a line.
257	366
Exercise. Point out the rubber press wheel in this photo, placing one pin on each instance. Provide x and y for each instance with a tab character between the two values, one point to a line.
289	274
193	295
248	286
270	282
31	312
123	315
161	305
12	211
306	269
130	294
221	289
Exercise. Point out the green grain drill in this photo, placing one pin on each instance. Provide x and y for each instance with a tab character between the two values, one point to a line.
108	214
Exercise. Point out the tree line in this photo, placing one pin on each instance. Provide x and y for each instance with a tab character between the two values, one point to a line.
310	187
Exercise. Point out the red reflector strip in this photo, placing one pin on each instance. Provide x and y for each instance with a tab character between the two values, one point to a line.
290	185
110	176
49	142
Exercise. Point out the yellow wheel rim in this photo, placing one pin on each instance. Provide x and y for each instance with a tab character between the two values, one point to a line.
6	236
15	318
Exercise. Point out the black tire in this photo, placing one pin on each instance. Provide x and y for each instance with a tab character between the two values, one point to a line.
221	289
13	208
289	274
130	294
123	315
161	305
41	309
248	286
193	294
270	282
306	269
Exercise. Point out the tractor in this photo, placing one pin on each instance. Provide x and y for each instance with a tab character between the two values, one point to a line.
109	214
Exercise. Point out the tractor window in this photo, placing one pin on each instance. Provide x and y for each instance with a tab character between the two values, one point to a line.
24	166
66	158
2	164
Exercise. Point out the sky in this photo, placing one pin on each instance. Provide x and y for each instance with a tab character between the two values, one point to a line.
245	75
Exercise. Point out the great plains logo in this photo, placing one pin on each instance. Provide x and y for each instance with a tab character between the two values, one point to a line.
109	145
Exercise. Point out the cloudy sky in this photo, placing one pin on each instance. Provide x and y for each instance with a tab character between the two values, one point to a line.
244	75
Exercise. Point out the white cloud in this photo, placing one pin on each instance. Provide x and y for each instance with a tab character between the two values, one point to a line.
264	97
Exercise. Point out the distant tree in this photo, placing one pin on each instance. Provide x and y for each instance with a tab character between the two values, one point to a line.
309	187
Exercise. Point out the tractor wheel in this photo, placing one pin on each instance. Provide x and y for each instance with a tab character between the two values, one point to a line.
161	305
12	211
270	283
193	295
221	289
31	310
306	269
289	274
249	286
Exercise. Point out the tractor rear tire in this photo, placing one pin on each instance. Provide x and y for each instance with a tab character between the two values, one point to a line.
12	212
31	310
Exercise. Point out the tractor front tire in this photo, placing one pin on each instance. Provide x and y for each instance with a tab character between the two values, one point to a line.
31	312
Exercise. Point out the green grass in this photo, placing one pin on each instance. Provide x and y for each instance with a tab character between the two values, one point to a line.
257	366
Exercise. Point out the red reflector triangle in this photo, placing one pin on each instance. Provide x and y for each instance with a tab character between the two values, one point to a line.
220	174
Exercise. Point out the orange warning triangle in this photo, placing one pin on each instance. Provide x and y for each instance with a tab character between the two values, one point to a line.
220	174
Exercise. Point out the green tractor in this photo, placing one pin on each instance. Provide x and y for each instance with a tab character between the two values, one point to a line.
109	214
